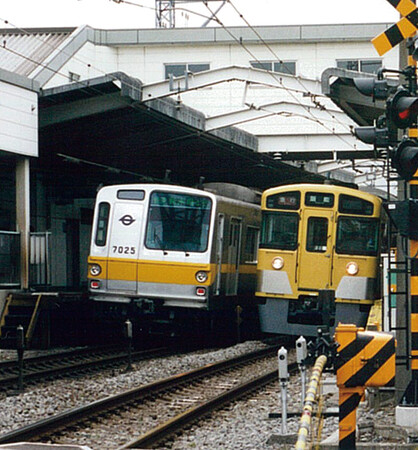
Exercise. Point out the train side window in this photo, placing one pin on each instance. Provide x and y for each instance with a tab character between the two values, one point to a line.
317	235
130	194
102	224
251	244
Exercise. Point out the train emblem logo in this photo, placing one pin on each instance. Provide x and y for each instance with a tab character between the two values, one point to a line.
127	220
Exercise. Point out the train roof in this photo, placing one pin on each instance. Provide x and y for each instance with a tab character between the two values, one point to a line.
322	188
226	190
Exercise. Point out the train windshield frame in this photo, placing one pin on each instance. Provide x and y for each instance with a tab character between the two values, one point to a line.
178	222
357	236
279	230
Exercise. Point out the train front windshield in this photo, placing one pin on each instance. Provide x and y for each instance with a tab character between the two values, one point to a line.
178	222
279	230
357	236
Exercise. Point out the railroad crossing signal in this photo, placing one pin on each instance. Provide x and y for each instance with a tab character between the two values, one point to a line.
405	159
402	108
405	28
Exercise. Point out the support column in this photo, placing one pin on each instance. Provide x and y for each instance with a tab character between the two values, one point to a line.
23	216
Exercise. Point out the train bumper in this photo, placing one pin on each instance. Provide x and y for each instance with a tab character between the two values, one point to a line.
273	282
168	294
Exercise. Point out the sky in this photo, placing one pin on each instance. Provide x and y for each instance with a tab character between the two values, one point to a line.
114	14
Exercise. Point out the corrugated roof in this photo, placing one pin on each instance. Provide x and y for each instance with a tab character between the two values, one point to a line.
22	52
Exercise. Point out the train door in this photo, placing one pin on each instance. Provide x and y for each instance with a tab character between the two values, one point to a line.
219	249
234	244
315	253
123	248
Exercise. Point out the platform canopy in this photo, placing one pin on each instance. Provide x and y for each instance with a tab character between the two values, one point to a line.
103	128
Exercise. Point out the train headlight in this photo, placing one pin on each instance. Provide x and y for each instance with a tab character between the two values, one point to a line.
277	263
351	268
201	276
95	270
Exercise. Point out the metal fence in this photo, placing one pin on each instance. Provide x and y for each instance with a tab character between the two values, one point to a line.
39	268
39	259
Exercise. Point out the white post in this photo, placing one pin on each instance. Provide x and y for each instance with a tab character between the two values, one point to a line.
284	378
301	354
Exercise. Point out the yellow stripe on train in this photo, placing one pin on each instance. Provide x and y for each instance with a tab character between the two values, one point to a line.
162	271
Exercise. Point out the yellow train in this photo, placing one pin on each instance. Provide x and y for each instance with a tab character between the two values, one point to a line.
164	251
316	239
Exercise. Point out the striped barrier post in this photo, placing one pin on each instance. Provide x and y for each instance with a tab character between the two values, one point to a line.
364	359
310	399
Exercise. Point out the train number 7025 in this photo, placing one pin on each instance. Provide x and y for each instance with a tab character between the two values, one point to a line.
124	250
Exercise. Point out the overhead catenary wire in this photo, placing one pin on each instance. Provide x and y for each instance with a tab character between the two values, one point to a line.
313	96
89	65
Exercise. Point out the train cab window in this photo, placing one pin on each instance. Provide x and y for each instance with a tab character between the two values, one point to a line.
349	204
284	200
102	224
319	199
178	222
317	234
357	236
251	244
131	194
279	230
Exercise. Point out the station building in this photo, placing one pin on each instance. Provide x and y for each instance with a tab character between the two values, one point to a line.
83	107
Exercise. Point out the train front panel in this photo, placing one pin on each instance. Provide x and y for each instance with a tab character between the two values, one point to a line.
317	238
152	242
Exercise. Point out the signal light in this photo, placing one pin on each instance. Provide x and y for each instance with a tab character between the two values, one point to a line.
404	215
405	159
378	89
402	108
379	137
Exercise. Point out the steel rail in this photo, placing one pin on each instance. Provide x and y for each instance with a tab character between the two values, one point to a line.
45	359
97	361
62	420
174	425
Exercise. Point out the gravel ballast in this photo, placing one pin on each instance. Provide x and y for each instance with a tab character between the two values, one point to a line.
244	425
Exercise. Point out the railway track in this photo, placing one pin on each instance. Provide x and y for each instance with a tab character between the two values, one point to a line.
150	413
47	367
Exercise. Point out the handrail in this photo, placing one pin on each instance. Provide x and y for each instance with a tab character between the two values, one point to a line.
309	402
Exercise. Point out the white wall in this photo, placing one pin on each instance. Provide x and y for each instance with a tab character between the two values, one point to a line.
18	120
89	62
146	62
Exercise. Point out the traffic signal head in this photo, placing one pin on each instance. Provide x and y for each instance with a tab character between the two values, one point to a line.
404	215
402	108
378	89
405	159
379	137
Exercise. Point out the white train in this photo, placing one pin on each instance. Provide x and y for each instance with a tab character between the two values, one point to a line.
164	249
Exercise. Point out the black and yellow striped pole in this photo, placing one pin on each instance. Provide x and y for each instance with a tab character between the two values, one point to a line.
402	111
411	393
364	359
